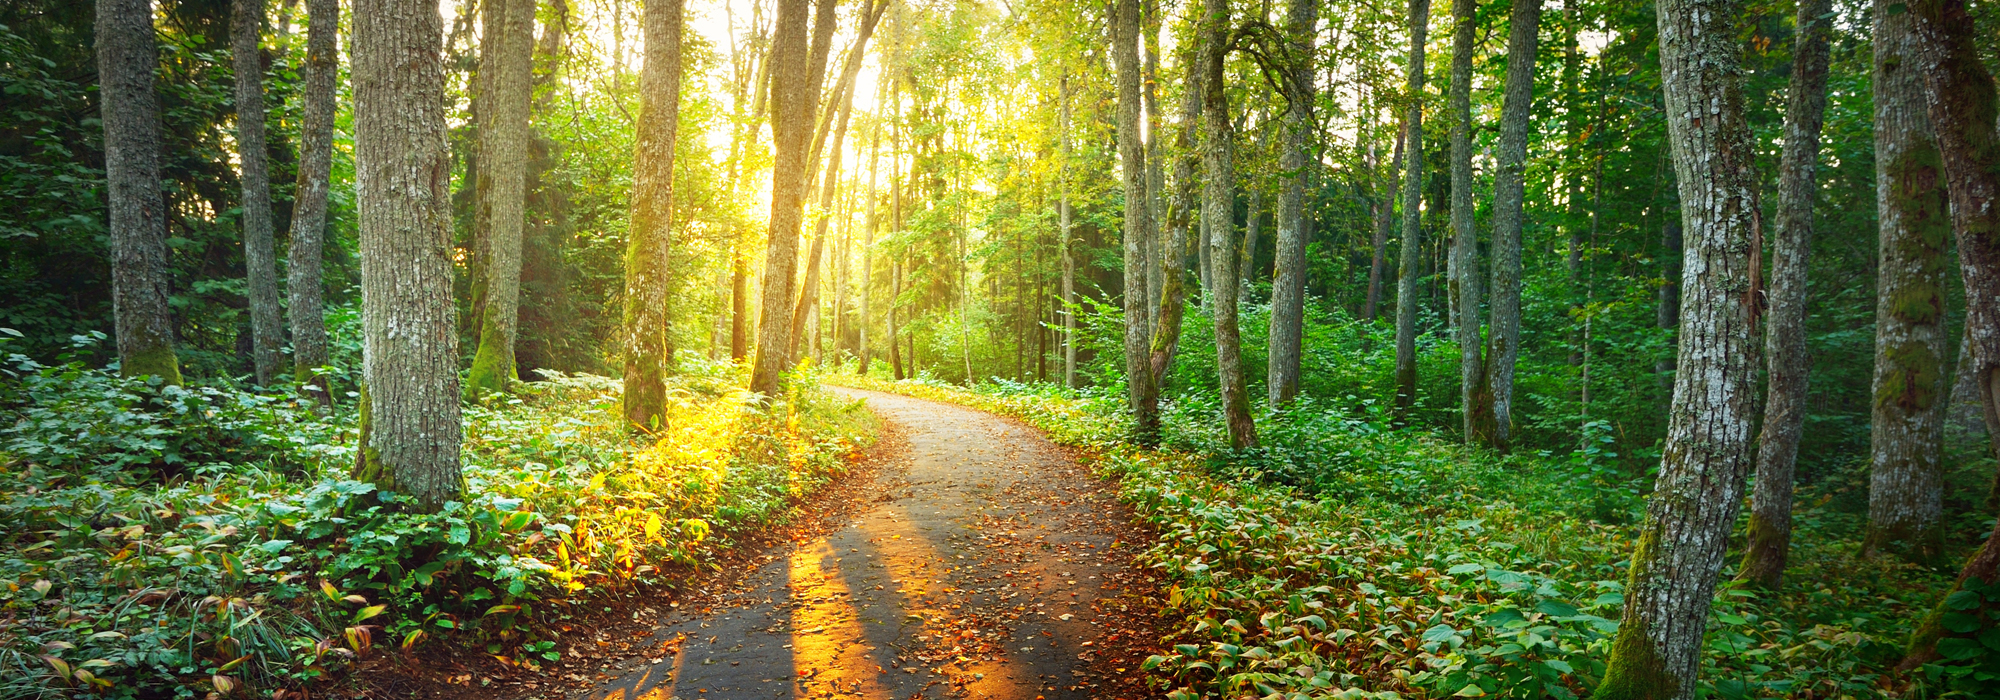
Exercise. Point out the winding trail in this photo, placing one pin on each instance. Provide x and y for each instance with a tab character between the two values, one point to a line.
985	564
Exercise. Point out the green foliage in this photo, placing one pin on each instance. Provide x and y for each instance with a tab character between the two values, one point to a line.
257	563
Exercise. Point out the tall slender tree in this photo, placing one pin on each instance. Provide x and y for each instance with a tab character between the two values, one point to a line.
1218	155
506	61
1288	277
1413	200
260	251
648	272
1960	94
1785	354
308	230
410	422
1906	478
127	54
1657	651
792	99
1143	393
1063	249
1465	238
1509	183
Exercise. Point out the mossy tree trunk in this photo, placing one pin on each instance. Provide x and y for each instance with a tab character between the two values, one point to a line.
127	54
1218	151
1411	254
1509	183
1141	391
648	277
1474	408
1182	217
506	61
410	361
1770	533
1960	94
1695	500
260	251
792	98
1906	478
1288	277
309	198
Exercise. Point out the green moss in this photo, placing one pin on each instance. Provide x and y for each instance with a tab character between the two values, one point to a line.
1763	558
158	361
1913	378
368	465
1635	669
492	364
1924	546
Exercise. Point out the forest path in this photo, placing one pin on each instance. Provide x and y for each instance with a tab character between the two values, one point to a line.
981	562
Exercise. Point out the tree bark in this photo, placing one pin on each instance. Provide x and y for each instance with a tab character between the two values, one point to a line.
1182	222
1959	93
1413	200
260	251
302	285
1385	215
1674	568
1159	255
1906	478
1068	258
1464	237
839	109
410	398
1770	533
1288	277
1141	390
648	250
1509	182
868	237
1219	198
127	54
506	62
792	98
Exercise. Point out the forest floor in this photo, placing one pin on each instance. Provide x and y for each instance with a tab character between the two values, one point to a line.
964	556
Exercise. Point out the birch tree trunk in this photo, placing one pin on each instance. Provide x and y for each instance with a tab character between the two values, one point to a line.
1141	390
792	99
260	251
1219	198
127	54
410	426
1465	238
1960	95
648	277
1413	200
1288	277
1770	534
1906	478
506	62
302	258
1509	182
1700	487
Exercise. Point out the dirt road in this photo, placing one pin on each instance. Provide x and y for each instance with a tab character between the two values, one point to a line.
987	564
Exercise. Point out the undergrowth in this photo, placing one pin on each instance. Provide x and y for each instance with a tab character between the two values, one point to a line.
160	541
1349	558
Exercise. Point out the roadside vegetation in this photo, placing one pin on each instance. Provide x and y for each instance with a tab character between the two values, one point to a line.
162	541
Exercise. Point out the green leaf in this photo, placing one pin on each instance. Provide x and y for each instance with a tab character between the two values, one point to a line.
1556	608
1560	665
1959	622
1959	648
1439	633
1463	569
1962	600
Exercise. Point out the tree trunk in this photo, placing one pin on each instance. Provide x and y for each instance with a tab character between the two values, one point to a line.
506	62
1960	95
1158	248
792	98
648	273
1413	200
1700	487
1068	258
1288	276
1508	184
1474	404
1906	478
260	251
1770	534
1219	197
127	54
839	110
410	396
303	285
1181	222
868	238
1141	390
1385	215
